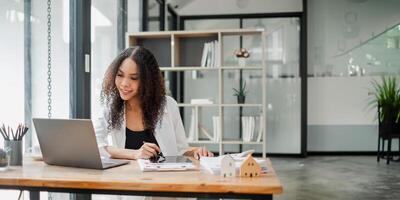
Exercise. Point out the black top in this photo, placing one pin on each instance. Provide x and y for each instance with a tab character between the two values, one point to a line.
135	139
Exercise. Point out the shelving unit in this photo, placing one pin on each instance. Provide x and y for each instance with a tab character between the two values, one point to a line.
180	51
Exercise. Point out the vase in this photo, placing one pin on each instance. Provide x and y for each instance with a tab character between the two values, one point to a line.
242	62
241	99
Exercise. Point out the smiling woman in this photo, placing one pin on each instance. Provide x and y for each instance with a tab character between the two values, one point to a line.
121	85
141	120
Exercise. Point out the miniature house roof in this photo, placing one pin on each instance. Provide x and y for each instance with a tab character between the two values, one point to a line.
227	157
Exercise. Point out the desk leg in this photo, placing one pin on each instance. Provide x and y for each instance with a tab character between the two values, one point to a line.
78	196
34	195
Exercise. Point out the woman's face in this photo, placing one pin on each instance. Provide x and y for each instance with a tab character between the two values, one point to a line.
127	79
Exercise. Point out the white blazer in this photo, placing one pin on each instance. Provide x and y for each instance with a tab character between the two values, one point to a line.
169	132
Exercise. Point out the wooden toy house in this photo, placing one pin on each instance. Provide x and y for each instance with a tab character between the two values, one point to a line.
250	167
228	166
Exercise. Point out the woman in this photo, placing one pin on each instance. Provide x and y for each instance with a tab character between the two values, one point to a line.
141	121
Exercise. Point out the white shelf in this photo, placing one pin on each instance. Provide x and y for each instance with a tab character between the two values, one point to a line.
194	105
187	68
182	52
203	142
197	33
195	68
244	68
240	142
215	105
224	142
242	105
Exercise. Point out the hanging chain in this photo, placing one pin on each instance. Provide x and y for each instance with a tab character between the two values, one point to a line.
49	58
50	195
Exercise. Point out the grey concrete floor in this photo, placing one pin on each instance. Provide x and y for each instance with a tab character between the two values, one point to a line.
337	177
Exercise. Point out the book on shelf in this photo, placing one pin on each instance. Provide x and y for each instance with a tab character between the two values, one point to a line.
216	127
260	127
252	128
217	54
248	124
192	126
210	55
204	55
212	60
205	132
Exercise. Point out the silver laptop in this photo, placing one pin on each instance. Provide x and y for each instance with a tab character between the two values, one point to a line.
71	142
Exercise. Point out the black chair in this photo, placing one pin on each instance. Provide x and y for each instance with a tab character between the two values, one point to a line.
387	131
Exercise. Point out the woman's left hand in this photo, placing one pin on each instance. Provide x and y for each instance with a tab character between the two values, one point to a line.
202	151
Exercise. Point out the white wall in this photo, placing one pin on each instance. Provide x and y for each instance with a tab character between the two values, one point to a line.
221	7
340	101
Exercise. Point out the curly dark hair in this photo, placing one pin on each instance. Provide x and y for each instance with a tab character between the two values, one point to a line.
151	88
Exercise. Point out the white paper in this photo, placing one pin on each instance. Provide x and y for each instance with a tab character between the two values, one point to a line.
147	166
213	164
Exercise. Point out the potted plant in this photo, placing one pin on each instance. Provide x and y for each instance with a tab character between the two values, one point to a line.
241	92
387	101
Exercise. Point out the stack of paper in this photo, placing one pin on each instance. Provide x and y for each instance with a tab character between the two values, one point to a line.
213	164
147	166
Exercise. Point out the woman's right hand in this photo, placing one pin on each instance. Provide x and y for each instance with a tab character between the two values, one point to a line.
147	150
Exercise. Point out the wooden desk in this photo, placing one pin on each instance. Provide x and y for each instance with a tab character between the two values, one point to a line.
36	176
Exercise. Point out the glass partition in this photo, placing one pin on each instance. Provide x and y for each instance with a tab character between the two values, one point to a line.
378	55
360	38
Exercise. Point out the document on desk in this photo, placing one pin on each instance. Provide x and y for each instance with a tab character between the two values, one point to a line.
213	164
147	166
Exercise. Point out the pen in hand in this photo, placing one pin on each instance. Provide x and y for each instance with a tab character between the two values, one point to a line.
152	148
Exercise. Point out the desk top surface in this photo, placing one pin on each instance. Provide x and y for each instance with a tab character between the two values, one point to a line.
130	178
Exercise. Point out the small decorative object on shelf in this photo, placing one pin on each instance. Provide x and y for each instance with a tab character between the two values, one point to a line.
242	54
241	93
13	142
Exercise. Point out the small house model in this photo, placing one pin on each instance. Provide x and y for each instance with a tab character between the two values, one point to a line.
228	166
250	167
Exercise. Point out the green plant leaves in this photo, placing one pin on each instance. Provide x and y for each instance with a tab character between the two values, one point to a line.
242	91
386	98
